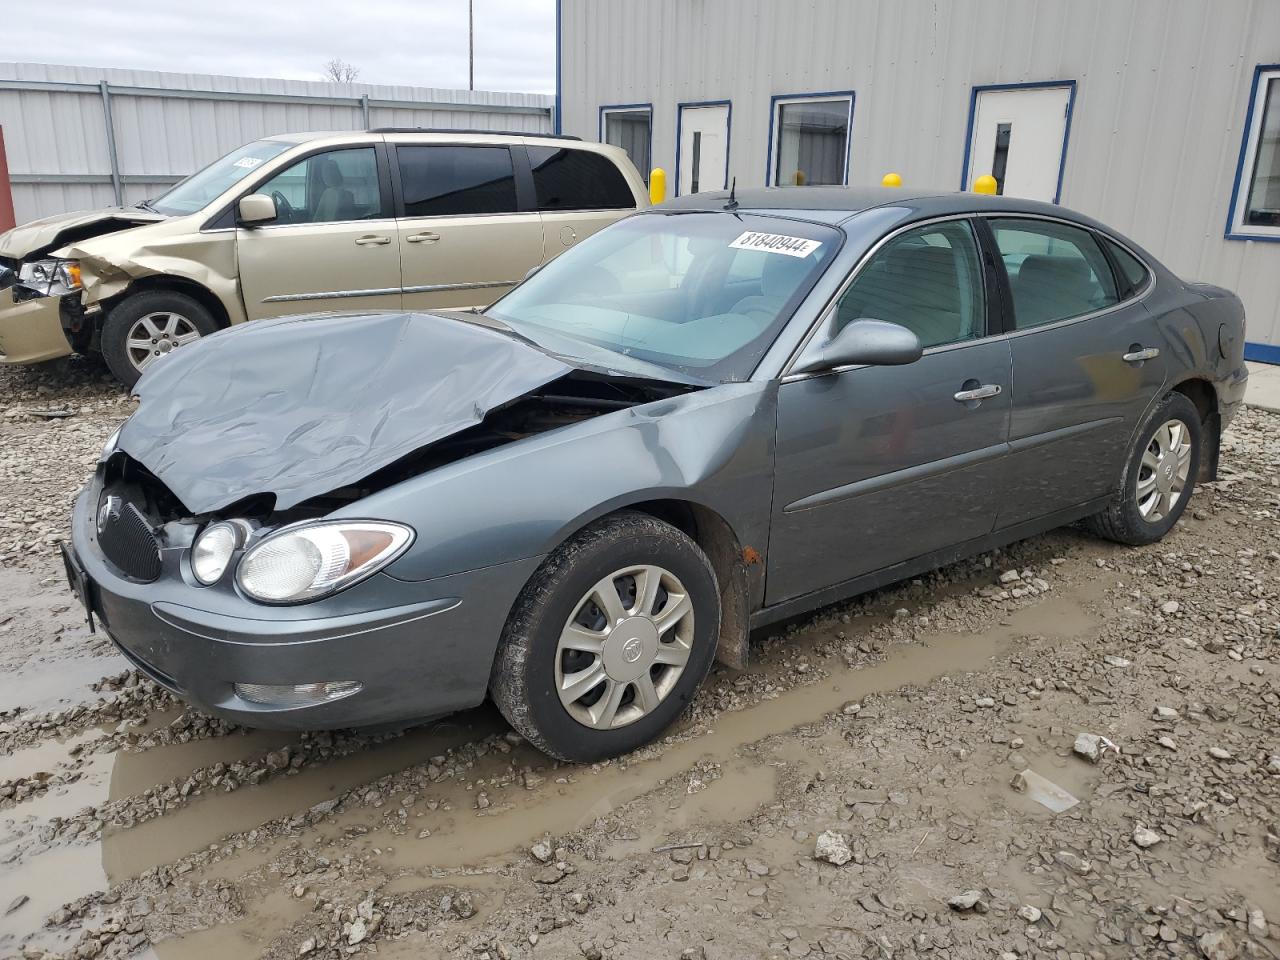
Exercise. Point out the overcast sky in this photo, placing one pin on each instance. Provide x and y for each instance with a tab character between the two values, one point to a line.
417	42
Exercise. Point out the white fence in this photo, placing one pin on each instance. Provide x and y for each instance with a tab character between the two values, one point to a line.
82	137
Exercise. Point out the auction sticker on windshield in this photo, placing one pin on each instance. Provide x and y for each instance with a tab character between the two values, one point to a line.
776	243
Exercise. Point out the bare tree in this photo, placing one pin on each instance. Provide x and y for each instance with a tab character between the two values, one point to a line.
339	71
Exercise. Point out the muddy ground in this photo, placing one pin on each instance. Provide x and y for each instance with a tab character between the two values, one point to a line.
884	734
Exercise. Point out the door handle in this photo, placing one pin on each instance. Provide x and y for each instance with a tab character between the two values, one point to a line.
422	238
372	241
979	393
1137	354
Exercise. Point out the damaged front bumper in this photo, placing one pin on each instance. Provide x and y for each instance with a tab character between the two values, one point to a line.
415	649
30	330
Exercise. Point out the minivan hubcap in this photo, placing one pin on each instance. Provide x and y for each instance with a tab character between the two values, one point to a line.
1164	470
156	335
624	647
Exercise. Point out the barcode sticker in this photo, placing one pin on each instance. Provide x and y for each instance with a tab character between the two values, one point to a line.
776	243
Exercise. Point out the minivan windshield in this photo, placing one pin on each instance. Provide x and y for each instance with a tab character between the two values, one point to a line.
701	293
195	192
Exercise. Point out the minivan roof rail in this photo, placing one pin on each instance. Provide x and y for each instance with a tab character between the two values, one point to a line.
496	133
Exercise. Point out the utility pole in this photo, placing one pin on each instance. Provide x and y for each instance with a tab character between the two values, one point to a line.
471	44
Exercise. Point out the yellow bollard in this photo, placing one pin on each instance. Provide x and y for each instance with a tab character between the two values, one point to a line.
985	184
657	185
891	180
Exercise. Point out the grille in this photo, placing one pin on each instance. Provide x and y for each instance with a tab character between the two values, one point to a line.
128	541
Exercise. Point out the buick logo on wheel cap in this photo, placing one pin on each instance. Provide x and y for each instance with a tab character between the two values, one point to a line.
632	649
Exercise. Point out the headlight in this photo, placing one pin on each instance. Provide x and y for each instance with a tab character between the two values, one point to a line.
315	559
51	278
211	553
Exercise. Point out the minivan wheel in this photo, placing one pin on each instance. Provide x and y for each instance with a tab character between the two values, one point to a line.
147	327
609	640
1160	474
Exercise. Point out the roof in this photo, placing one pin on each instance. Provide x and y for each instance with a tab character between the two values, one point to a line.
833	204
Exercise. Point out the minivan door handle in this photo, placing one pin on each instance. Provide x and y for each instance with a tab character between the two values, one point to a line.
1137	354
372	241
981	392
422	238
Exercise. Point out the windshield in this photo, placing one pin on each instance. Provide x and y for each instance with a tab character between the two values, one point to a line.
700	293
195	192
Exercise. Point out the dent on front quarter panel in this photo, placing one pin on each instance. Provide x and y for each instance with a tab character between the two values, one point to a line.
712	447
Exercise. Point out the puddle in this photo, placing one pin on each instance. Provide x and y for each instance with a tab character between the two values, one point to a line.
52	685
45	756
246	937
50	879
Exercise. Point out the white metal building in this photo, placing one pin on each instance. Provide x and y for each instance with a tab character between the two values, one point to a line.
1159	117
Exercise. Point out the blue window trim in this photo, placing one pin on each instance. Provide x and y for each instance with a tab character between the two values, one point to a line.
728	134
1034	85
1262	352
634	108
774	100
1231	232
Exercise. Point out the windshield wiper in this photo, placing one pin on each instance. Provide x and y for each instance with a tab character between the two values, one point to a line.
146	205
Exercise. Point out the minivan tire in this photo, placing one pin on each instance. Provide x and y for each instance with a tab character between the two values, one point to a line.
1122	520
531	662
123	317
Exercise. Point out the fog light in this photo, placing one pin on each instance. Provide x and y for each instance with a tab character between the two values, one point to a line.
296	694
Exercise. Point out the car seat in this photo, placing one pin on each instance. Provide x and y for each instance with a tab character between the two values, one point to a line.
336	202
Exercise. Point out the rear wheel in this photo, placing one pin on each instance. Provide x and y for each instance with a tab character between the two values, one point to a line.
1159	476
147	327
609	640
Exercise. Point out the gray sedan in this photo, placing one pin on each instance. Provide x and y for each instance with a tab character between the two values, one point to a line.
711	416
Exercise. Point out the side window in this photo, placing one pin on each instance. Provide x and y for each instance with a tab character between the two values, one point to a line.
328	188
929	280
1056	271
1132	272
442	181
565	179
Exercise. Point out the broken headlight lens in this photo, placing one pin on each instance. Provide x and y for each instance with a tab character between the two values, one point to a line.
51	278
315	559
211	553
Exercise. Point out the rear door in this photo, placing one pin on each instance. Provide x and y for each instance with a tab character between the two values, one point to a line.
333	245
577	192
464	236
1087	363
879	465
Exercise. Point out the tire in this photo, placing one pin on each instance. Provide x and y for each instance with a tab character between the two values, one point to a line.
175	317
1124	520
531	662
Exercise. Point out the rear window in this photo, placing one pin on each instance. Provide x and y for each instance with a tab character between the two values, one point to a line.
566	179
441	181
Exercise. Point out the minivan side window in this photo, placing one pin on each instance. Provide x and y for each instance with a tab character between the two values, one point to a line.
928	280
446	180
566	179
329	187
1056	271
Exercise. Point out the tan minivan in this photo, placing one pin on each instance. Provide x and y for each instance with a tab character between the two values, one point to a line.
302	223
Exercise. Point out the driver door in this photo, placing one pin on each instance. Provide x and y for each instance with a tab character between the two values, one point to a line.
875	466
334	244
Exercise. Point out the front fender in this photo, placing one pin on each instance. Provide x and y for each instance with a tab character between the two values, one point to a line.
713	448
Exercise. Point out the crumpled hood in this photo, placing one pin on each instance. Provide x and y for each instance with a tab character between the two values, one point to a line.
301	406
49	233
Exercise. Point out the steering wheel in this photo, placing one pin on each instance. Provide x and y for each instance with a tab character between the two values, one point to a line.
284	209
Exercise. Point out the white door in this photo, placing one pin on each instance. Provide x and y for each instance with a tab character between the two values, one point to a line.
1018	136
704	148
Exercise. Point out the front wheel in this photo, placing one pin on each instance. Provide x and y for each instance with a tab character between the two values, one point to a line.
1160	474
609	640
147	327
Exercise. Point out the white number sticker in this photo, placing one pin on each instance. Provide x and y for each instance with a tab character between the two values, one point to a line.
247	162
776	243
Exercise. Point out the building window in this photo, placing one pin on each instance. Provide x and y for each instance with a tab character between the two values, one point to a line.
630	128
810	141
1255	207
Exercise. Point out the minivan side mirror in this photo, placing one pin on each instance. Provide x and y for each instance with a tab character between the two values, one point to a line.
864	342
257	208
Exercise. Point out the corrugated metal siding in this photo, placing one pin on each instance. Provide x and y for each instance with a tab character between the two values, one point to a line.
64	133
1162	91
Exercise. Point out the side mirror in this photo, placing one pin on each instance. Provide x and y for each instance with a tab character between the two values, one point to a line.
864	342
257	208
